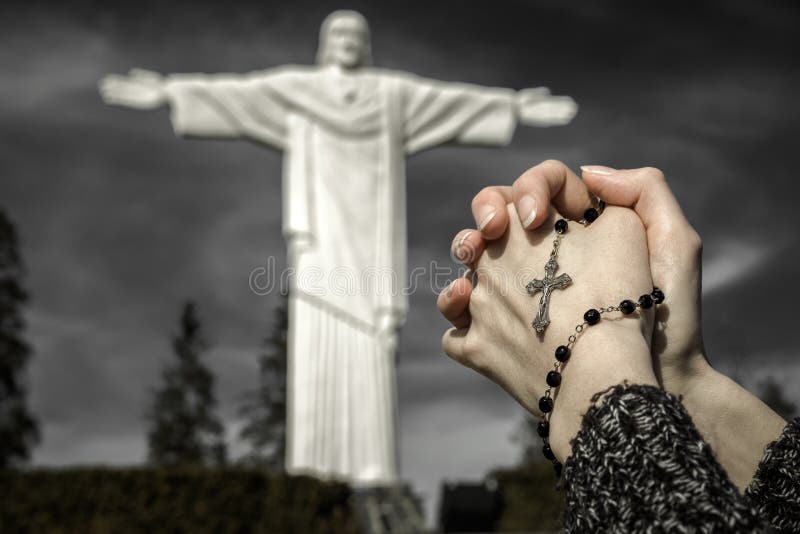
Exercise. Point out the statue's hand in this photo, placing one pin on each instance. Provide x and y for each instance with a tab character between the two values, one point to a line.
537	107
140	89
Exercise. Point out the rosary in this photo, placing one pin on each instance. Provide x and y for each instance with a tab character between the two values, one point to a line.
562	353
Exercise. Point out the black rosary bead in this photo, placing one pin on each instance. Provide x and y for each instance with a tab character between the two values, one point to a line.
546	404
543	429
562	353
646	301
561	226
592	316
553	379
590	215
627	307
548	452
658	295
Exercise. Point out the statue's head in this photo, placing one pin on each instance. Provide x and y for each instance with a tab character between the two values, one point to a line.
344	40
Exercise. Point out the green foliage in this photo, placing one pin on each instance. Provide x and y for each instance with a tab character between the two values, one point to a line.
18	429
265	408
184	429
530	501
184	500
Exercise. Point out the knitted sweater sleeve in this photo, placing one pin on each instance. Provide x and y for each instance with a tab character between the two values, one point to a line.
775	489
639	464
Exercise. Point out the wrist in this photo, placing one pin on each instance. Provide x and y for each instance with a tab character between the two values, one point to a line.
167	90
718	407
702	392
614	354
517	106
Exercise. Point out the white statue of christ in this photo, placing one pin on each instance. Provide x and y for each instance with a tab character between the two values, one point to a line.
345	129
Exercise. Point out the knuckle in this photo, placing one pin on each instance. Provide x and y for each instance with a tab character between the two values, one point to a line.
446	343
694	243
470	348
478	298
450	346
623	220
686	239
483	196
449	350
523	178
626	216
652	174
473	356
536	170
552	164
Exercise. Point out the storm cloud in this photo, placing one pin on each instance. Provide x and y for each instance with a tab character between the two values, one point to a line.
121	221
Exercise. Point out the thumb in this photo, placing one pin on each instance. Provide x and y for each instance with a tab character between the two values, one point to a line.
644	190
674	245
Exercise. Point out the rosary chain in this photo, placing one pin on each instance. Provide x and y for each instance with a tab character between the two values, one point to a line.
591	317
546	402
556	244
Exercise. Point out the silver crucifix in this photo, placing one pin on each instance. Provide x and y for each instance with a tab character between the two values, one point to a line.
546	286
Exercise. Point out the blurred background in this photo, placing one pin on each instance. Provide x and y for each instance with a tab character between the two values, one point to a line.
120	223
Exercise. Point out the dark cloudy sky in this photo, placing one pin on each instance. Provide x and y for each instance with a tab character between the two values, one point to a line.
121	221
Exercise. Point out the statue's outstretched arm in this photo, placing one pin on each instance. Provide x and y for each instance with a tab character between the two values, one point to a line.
219	106
140	89
537	107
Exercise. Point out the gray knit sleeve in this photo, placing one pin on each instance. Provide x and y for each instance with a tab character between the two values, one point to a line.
639	464
775	489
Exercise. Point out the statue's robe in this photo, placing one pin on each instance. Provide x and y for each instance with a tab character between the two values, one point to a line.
344	207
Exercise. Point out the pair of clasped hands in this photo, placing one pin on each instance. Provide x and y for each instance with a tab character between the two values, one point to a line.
641	240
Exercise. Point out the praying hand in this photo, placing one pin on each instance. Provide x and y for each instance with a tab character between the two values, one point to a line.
650	435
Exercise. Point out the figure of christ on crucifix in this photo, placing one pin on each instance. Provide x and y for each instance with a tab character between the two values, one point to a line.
546	285
345	129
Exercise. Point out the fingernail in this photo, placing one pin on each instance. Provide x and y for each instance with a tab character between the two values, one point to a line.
598	170
485	214
449	289
527	204
461	253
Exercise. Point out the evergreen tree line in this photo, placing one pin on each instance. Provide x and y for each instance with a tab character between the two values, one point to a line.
184	429
19	431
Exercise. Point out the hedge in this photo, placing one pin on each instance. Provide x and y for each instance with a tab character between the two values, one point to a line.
197	500
529	499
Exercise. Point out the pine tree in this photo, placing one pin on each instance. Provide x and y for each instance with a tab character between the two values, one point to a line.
184	429
265	408
18	429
